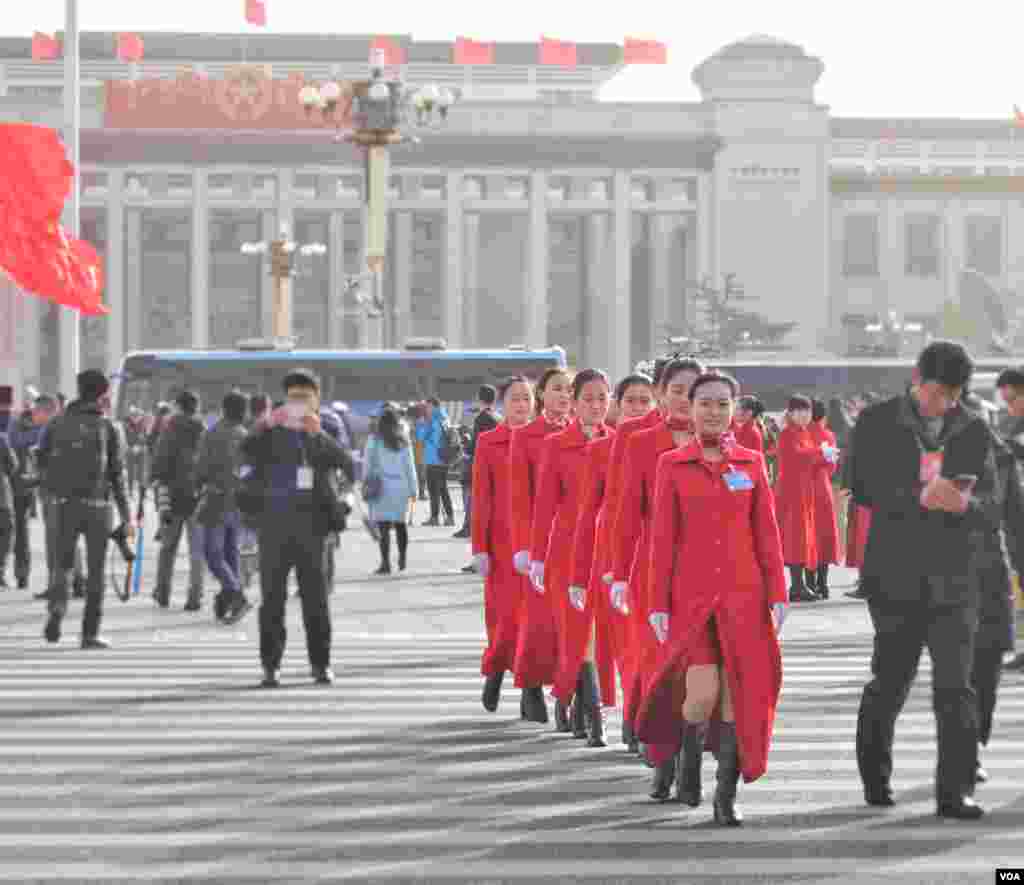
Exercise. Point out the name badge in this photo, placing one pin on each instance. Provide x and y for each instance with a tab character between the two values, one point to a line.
304	479
738	481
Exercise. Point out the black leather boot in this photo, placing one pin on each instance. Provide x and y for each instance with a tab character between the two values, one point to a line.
492	691
592	698
522	705
726	812
561	718
664	775
821	582
798	591
578	711
691	754
534	708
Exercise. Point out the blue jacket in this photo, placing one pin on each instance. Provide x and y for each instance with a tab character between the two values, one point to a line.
431	434
397	471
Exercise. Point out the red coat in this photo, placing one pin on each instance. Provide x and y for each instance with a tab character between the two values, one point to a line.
825	526
591	559
491	527
631	552
715	552
858	524
800	457
748	435
536	650
559	495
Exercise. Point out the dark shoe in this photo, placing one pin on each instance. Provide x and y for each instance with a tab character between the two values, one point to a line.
23	583
492	691
43	594
562	718
432	523
1016	665
534	707
461	534
221	604
383	569
52	629
963	809
728	777
879	797
237	608
980	775
578	713
193	605
162	599
591	696
401	562
323	676
3	583
661	785
469	569
802	594
449	522
94	642
854	594
522	706
691	754
271	678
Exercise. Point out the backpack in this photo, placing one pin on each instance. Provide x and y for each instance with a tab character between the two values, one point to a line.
77	462
450	450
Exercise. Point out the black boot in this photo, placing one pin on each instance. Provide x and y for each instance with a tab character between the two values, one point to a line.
534	708
592	698
578	711
629	739
726	812
688	785
492	691
664	775
821	585
561	718
798	591
522	705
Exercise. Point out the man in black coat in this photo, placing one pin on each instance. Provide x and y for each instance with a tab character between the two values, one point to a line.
926	468
1010	385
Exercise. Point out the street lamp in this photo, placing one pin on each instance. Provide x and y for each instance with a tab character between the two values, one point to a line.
283	267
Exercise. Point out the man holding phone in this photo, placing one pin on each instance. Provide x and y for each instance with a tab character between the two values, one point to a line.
926	468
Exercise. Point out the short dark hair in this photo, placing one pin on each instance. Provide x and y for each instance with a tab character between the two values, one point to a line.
585	377
301	378
188	402
817	410
1010	378
635	380
945	362
674	367
712	378
507	384
234	406
435	402
92	384
798	401
487	394
752	404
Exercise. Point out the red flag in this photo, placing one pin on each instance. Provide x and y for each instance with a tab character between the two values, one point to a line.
393	53
644	52
45	47
130	47
256	12
473	52
557	52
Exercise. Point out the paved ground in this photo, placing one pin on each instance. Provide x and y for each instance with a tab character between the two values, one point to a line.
161	760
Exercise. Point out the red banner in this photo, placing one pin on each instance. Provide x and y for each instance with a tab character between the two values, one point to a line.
394	55
130	47
45	47
472	52
644	52
256	13
557	52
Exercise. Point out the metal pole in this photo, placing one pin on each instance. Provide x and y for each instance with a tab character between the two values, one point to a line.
69	325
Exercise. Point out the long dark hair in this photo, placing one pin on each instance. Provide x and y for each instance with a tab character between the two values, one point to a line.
391	430
673	368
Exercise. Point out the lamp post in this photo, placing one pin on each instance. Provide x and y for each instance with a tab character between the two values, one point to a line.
382	109
69	323
282	252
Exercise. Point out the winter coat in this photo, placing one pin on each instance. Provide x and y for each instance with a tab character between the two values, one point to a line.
397	472
799	458
826	528
431	434
217	467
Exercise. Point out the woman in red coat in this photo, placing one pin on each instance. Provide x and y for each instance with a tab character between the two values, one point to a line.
800	457
591	549
630	541
559	494
745	428
717	586
825	525
536	647
493	548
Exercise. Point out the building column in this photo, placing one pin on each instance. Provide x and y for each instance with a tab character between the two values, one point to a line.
706	239
595	317
132	280
336	281
535	299
12	369
114	268
891	237
619	352
659	245
401	318
952	249
471	279
268	233
200	277
453	283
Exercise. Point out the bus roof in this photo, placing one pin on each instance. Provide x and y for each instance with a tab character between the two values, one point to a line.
367	356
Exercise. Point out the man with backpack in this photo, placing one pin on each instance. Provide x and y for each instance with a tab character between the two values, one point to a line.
441	448
82	463
174	478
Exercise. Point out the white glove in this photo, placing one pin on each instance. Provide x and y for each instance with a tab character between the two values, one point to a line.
659	622
537	576
608	579
620	597
521	562
578	598
482	564
779	612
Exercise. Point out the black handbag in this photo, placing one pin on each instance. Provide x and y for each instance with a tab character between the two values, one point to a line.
373	484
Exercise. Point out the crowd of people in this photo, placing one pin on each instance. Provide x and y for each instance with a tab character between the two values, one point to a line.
640	544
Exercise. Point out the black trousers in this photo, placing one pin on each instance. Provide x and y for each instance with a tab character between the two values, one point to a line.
987	669
92	520
6	534
287	543
437	486
401	536
902	630
23	506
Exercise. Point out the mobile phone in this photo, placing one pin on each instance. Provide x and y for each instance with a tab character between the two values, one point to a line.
965	481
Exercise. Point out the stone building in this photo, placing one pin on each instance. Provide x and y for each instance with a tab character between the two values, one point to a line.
537	215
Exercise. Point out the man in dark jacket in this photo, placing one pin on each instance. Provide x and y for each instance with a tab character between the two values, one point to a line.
174	476
1010	385
485	420
926	468
292	455
216	476
8	484
81	461
24	437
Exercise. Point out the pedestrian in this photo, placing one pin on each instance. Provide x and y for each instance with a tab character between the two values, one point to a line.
826	526
552	532
1010	385
177	494
82	465
746	426
492	541
717	601
414	414
390	464
217	469
9	471
292	456
925	467
484	421
135	439
431	430
536	659
631	537
24	438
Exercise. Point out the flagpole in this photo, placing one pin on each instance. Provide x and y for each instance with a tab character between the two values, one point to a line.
69	325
